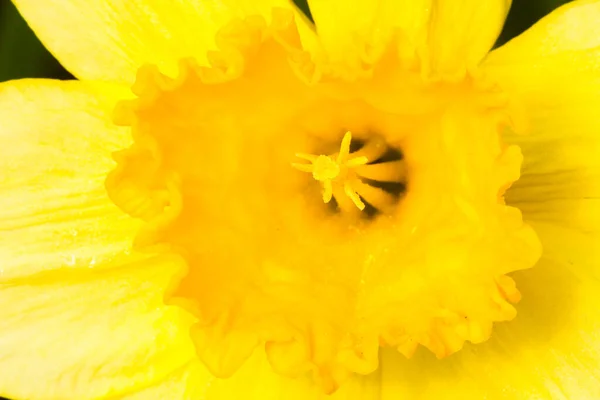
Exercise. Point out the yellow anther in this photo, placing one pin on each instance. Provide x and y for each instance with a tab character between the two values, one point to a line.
344	148
330	170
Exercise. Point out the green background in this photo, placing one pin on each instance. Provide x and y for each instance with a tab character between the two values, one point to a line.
23	56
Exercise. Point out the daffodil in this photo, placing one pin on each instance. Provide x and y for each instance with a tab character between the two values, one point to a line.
234	202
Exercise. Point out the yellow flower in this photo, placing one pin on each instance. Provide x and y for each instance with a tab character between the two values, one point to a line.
234	203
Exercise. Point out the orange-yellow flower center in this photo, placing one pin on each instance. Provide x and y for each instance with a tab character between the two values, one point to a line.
330	170
319	288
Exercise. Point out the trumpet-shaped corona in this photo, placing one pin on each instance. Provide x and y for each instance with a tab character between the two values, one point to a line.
321	289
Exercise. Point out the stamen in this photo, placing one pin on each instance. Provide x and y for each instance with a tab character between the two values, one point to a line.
337	171
351	192
393	171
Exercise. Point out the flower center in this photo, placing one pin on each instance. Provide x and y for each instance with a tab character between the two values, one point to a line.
331	170
269	267
366	175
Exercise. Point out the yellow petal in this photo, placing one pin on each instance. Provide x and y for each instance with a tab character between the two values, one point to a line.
552	74
188	383
572	27
460	34
56	141
352	35
446	37
551	349
91	334
254	381
110	40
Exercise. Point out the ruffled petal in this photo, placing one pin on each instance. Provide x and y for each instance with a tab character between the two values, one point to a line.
110	40
254	381
56	141
91	334
443	37
551	350
354	37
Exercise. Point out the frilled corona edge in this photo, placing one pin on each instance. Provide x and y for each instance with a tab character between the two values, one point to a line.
322	294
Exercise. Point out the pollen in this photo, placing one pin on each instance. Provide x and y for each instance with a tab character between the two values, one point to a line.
336	170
